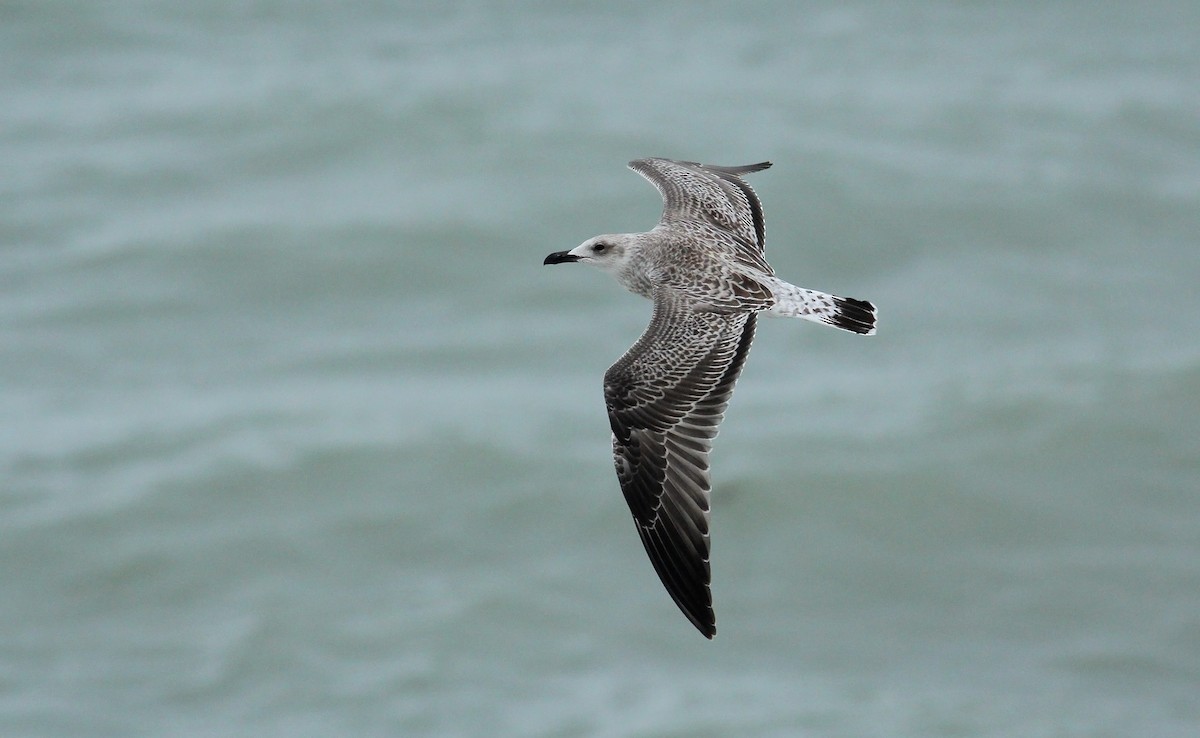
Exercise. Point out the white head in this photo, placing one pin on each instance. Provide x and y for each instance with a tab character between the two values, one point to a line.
609	252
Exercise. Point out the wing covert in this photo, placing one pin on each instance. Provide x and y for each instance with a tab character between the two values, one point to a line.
714	195
666	397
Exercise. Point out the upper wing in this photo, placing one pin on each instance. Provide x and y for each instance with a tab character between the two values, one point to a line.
666	396
712	194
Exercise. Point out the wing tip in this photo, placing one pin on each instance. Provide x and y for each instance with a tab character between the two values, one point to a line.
755	167
634	164
707	625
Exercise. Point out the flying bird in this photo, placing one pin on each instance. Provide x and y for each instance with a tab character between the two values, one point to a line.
704	268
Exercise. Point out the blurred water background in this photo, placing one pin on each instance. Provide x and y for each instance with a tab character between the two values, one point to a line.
299	438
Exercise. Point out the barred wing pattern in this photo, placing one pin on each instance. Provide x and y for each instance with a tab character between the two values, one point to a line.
704	268
715	195
666	397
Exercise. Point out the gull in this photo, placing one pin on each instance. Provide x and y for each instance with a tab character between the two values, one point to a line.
704	269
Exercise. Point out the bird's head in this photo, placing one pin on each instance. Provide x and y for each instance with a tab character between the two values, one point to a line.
610	252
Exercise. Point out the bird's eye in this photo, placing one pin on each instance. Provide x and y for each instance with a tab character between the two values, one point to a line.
598	248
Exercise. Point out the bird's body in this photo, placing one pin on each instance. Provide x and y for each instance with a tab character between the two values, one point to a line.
704	268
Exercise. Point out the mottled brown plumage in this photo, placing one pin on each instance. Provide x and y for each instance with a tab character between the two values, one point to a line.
704	268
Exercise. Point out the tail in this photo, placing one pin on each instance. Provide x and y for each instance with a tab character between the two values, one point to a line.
847	313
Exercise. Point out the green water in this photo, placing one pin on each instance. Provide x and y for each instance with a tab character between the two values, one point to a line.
298	437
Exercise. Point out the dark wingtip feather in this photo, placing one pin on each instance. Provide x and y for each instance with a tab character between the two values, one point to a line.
740	168
853	315
639	164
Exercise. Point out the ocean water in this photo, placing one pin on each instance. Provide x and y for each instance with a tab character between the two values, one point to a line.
299	438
